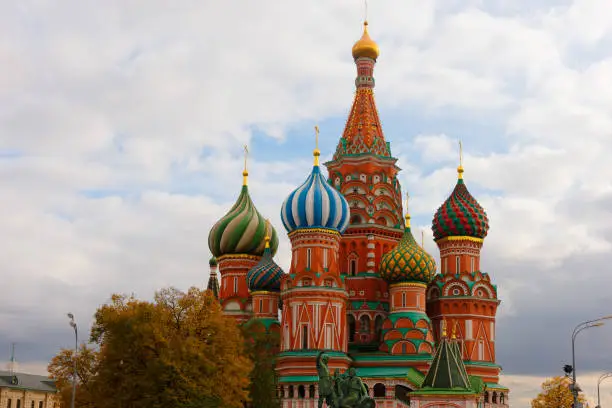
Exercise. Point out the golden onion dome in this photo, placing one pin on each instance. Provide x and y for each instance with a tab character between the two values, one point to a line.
365	47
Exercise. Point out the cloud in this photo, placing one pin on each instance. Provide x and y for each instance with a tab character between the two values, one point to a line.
121	136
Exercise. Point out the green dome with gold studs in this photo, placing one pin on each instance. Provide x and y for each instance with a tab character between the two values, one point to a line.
408	261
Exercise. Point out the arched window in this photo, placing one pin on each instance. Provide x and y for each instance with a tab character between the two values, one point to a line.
486	397
378	322
402	393
379	390
281	392
501	398
301	392
364	323
311	391
353	267
351	328
494	400
291	391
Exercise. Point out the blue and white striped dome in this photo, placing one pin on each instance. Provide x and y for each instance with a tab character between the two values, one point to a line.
315	204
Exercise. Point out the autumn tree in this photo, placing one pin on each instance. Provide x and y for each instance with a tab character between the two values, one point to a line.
61	369
556	393
178	351
262	346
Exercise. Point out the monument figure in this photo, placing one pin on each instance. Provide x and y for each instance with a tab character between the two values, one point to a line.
342	390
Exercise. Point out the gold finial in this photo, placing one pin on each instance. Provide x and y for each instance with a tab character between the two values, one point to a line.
460	168
267	234
245	172
407	216
316	153
443	327
366	47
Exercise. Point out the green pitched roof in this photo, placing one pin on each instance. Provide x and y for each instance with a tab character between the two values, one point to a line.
447	370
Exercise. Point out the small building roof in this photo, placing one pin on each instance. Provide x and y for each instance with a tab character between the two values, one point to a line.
22	381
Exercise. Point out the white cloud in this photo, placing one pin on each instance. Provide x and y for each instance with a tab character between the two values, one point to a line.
154	101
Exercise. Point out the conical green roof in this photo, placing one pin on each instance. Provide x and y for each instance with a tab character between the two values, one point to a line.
447	370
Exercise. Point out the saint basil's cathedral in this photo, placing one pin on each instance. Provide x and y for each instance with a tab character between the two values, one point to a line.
360	287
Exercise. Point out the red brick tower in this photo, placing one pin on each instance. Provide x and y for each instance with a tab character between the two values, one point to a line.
313	294
364	171
237	242
461	293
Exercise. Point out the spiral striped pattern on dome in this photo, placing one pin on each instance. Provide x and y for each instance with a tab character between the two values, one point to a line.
266	275
460	215
241	231
407	262
315	204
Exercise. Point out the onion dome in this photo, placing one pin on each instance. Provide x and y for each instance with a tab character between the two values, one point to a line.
365	47
266	275
315	204
242	230
460	214
407	262
212	262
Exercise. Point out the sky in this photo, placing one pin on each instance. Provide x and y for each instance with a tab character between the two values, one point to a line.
121	134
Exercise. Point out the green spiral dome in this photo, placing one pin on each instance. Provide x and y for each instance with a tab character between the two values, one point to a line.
241	231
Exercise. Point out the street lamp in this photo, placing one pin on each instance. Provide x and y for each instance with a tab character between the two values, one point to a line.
582	326
76	350
601	378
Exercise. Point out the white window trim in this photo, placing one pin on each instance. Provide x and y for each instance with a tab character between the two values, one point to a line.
469	330
325	258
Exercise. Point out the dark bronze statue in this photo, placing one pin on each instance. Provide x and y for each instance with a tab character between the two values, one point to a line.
342	390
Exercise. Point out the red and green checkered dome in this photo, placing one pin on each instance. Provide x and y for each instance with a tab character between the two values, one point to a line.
407	262
460	215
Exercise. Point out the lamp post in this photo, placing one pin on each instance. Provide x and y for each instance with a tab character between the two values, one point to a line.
76	350
601	378
582	326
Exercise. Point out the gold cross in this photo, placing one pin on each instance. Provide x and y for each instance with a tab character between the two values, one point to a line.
316	137
460	154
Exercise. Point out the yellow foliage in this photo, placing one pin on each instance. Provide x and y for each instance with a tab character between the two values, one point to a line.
179	351
556	393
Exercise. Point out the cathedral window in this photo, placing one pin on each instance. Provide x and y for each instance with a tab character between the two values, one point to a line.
472	259
352	267
305	336
480	350
308	256
403	299
235	284
325	258
286	337
364	323
457	264
468	329
260	305
445	269
329	331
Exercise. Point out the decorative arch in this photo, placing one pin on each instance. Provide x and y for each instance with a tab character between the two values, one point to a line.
364	324
456	288
380	391
482	290
433	293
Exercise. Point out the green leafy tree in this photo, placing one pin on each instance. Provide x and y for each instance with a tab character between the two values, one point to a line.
262	347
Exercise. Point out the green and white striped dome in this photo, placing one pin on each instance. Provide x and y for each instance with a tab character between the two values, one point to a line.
241	231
